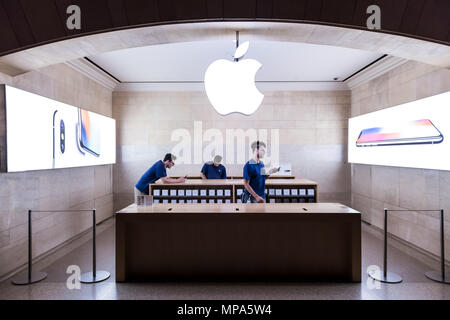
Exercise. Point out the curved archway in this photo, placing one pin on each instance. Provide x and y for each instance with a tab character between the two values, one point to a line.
62	51
27	24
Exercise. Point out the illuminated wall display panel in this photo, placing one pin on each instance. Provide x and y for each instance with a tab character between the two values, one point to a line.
42	133
414	134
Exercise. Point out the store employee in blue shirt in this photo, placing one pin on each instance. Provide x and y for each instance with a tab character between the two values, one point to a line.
213	169
255	175
157	171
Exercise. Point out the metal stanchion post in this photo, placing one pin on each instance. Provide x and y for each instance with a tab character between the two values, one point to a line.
386	277
30	277
441	277
94	276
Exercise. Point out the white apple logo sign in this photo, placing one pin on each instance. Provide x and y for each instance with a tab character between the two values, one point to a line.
230	85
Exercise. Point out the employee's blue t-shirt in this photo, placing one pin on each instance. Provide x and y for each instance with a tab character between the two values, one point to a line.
253	173
213	172
156	172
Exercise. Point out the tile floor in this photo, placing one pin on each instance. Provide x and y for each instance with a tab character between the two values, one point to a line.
414	286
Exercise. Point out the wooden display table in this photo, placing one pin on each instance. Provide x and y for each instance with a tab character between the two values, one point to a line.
273	176
285	191
229	191
310	241
194	191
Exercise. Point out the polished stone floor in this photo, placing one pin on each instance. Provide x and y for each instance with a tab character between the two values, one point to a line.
414	285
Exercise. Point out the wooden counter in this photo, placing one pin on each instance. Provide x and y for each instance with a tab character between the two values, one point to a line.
308	241
229	190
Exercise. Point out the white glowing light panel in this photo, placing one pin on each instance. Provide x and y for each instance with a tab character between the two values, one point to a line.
43	134
414	134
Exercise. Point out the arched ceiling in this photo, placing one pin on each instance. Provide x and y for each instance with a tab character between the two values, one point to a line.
30	23
374	42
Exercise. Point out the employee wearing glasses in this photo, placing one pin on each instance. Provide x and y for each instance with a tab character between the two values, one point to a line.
157	171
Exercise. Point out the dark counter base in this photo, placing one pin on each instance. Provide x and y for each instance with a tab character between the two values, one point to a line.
295	247
236	279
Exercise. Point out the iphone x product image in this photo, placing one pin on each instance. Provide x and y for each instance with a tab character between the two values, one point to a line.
88	133
421	131
64	122
59	137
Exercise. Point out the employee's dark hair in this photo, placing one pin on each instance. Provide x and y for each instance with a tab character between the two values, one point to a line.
169	157
255	145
